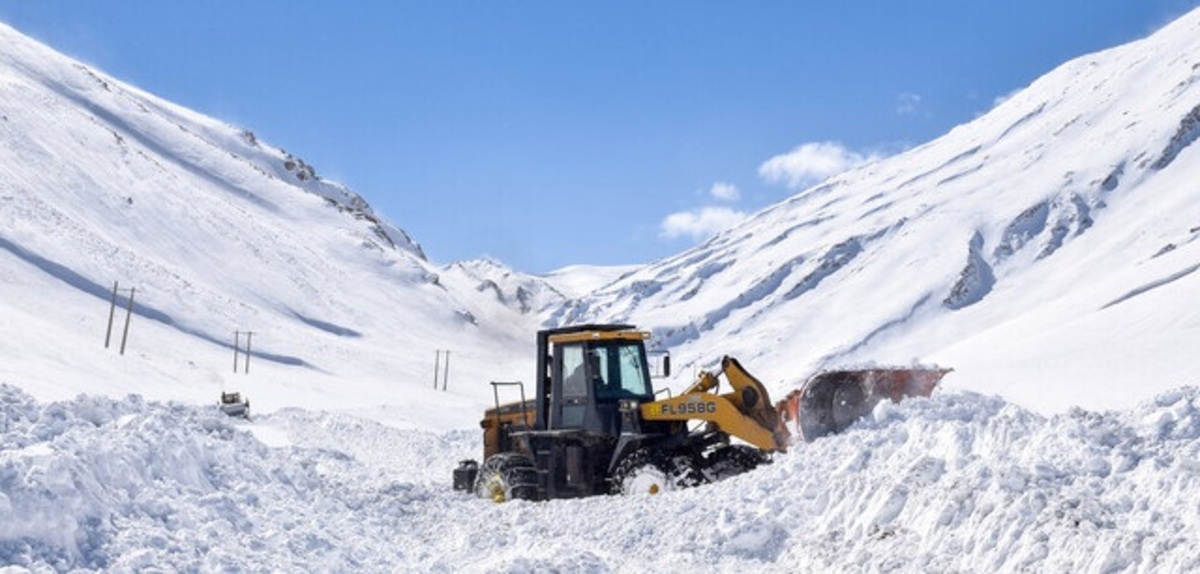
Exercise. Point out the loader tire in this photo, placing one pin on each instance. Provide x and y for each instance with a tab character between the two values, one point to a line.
649	472
733	460
507	476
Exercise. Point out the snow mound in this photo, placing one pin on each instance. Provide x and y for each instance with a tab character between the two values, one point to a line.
956	482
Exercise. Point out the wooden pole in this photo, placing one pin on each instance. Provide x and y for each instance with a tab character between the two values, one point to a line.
128	315
237	346
437	367
446	371
249	334
112	310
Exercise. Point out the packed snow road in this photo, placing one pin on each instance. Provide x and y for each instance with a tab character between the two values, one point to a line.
958	482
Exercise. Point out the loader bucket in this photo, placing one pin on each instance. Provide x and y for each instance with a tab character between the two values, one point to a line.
833	400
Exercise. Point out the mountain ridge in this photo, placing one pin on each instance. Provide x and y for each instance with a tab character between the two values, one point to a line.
1038	250
872	264
217	231
1016	226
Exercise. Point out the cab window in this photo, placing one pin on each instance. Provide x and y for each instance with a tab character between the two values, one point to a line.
619	371
574	380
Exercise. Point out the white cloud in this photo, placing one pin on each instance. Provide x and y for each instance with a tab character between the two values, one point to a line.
725	191
811	163
908	103
699	223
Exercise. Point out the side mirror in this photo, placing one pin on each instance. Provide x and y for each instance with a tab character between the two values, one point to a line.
660	364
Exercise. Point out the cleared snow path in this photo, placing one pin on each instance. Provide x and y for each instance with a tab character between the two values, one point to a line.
958	482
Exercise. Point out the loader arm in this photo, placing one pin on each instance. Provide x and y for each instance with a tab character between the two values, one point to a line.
719	410
745	412
749	395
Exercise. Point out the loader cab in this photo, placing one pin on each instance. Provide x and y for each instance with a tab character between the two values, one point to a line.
587	370
584	374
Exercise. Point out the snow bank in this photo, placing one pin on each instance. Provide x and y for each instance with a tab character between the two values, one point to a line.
100	484
957	482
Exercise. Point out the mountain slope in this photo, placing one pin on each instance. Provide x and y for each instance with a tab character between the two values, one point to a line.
526	293
977	250
1040	249
545	296
217	232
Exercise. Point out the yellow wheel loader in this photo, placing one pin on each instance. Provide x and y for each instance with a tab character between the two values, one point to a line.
595	426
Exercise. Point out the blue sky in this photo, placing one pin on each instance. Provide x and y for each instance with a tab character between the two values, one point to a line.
549	133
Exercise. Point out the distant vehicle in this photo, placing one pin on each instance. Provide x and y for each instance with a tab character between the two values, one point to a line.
234	405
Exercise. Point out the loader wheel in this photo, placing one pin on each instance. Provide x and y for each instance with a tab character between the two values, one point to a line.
733	460
648	472
507	476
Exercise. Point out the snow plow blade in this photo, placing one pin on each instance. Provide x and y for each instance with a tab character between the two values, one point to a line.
833	400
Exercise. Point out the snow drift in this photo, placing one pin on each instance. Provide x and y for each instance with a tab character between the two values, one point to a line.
957	482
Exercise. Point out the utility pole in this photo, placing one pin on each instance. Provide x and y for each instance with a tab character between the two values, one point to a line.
128	315
237	348
441	367
437	367
249	334
112	310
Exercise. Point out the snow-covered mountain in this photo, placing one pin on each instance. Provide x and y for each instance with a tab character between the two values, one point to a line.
1046	251
576	281
216	231
521	291
545	296
1035	250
